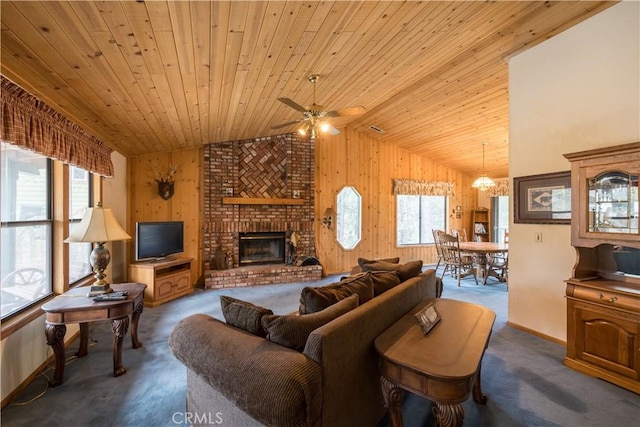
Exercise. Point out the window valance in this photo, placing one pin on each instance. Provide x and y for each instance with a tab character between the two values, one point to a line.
501	188
32	124
410	187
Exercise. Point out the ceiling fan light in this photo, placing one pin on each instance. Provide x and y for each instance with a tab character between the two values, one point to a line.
302	130
324	127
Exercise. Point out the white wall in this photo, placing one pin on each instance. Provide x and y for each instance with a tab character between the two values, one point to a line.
24	351
576	91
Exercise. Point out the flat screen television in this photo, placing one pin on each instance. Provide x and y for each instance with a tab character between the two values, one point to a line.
158	240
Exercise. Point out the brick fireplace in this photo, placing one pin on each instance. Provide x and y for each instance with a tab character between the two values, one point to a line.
260	186
262	248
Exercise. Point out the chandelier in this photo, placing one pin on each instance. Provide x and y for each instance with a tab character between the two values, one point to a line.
483	183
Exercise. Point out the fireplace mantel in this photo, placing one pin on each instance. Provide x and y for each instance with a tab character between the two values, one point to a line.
260	201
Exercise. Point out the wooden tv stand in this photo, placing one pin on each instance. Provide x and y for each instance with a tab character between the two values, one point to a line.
165	280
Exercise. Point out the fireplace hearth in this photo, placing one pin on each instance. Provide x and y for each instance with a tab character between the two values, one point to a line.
258	248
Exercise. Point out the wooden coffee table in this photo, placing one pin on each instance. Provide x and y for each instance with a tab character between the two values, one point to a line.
75	307
442	366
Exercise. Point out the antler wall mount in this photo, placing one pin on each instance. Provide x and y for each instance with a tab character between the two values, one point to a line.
165	181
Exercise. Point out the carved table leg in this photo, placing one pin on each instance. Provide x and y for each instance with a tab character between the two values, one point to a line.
392	395
135	316
478	396
119	328
84	340
448	415
55	338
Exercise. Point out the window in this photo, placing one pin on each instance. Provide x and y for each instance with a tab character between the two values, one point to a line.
349	217
79	201
417	216
25	228
500	208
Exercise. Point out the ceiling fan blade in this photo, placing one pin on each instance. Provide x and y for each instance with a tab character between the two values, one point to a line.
332	130
351	111
293	104
285	124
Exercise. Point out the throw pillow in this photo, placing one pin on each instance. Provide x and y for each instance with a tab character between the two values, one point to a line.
383	281
410	269
244	315
315	299
405	271
292	330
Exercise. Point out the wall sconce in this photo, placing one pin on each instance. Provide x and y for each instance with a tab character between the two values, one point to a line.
327	218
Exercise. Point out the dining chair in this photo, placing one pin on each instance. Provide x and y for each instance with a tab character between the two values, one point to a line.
456	262
460	232
436	243
499	263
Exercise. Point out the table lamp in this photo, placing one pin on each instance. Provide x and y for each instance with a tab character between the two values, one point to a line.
98	226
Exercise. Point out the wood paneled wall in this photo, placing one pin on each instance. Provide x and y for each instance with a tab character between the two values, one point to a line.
351	158
186	203
354	159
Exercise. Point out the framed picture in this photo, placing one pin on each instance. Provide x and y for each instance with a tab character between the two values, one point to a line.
427	318
543	199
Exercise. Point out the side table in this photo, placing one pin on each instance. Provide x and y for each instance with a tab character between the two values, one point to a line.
442	366
75	307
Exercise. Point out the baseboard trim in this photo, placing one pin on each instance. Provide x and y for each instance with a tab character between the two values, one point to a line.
537	334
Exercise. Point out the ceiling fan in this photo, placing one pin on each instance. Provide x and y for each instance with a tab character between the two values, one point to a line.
315	115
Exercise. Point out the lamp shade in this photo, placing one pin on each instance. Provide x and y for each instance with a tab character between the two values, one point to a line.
483	183
98	225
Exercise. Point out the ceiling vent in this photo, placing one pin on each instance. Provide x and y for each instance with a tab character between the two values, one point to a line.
376	129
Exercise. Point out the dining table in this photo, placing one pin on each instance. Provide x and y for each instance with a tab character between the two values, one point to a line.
481	251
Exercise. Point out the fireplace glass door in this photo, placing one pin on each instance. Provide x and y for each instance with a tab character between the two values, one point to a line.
262	248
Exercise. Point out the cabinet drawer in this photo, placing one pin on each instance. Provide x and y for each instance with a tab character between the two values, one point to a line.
606	298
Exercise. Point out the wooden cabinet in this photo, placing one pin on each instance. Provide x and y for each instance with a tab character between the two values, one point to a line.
604	195
604	331
603	294
165	280
481	225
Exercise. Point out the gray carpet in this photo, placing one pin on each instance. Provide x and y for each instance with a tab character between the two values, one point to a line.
522	375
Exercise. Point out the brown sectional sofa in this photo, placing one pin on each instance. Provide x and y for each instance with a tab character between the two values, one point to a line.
241	379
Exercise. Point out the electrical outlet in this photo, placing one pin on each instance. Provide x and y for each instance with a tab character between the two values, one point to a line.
538	237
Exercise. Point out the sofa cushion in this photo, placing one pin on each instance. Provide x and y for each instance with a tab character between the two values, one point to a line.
292	330
316	299
405	271
244	315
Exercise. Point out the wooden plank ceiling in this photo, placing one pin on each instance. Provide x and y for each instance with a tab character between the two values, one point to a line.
148	76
